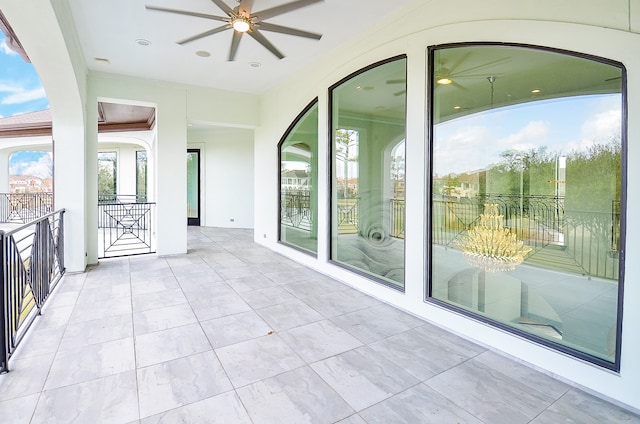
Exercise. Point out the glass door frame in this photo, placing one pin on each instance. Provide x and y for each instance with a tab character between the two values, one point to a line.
195	221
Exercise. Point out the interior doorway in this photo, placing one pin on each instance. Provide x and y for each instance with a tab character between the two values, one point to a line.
193	187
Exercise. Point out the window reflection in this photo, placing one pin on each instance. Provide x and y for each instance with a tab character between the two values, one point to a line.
526	192
368	131
298	173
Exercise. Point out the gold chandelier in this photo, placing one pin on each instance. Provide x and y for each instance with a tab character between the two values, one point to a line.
490	246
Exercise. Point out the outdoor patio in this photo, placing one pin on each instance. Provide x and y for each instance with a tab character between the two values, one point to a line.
234	333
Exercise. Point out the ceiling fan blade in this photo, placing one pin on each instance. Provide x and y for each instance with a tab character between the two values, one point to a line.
456	85
396	81
267	45
186	12
204	34
481	76
235	41
290	31
613	79
459	62
284	8
246	6
484	65
400	93
222	5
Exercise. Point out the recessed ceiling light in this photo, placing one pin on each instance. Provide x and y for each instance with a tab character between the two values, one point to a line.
102	60
203	53
255	64
457	107
143	42
536	91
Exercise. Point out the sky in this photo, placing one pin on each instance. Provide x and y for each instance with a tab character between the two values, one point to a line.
20	92
562	125
20	88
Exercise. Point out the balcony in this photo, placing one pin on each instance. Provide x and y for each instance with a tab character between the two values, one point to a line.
234	333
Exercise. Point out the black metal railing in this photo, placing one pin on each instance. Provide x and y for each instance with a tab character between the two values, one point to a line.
538	219
125	228
582	241
397	210
121	198
21	208
295	210
32	258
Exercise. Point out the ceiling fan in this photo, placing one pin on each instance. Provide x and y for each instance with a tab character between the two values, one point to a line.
241	20
450	75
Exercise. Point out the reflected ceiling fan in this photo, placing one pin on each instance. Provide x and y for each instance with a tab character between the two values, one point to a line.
445	75
241	20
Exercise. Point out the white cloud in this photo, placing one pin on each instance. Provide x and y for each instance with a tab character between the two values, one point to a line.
9	88
460	151
528	137
5	49
600	127
603	126
477	146
41	168
24	96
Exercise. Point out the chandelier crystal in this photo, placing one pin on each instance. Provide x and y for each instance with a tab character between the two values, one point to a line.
490	246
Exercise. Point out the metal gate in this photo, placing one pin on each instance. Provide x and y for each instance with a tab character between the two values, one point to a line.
125	228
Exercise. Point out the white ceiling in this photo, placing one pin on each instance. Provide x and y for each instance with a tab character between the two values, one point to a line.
108	29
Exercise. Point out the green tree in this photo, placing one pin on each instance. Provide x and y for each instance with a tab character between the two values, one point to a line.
346	151
107	167
594	177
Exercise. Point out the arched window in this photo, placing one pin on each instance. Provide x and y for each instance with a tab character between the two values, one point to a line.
368	118
527	201
298	153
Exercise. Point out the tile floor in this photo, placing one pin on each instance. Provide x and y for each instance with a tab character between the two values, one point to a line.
234	333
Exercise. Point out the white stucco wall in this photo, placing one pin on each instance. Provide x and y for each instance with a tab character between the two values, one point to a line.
226	175
175	106
599	29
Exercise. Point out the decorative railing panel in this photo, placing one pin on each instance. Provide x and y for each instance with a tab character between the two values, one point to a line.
586	241
125	229
295	210
32	258
397	218
21	208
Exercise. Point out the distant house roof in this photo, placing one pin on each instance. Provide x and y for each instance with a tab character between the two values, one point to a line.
295	173
26	124
111	117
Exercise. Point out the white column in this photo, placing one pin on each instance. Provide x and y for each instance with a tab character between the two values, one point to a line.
4	170
91	183
170	159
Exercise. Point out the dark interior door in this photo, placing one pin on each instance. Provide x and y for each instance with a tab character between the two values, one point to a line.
193	187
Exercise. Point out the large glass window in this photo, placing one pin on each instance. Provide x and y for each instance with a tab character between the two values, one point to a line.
526	191
107	176
298	151
141	176
368	119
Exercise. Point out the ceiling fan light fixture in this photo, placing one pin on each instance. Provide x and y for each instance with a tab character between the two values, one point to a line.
444	81
241	24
